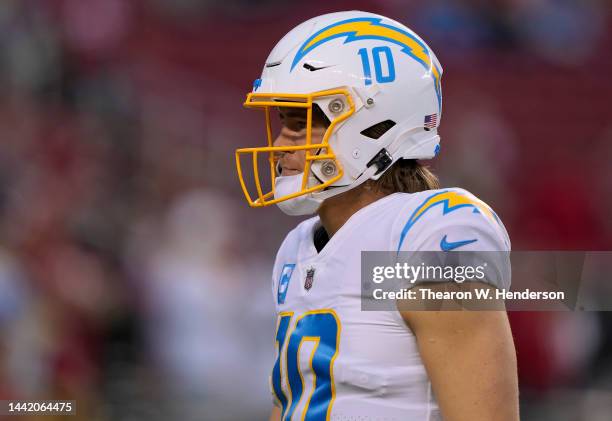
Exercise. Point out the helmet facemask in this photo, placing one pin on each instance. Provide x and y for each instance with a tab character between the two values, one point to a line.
321	168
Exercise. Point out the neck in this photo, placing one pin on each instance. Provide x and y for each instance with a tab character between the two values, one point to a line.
335	211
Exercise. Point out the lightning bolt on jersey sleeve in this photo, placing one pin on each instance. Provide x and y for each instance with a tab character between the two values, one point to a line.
455	220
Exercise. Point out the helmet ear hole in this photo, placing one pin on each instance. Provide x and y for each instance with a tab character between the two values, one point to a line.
378	129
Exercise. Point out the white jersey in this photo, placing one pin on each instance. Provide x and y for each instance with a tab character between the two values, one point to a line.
337	362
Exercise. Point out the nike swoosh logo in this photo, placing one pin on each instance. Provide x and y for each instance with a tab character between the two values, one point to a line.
447	246
312	68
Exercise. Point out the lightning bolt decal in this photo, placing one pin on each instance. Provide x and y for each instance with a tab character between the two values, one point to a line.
450	201
371	28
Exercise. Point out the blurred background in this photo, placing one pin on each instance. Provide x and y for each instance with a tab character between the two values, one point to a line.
134	278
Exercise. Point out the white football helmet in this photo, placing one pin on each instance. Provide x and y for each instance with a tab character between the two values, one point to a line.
376	81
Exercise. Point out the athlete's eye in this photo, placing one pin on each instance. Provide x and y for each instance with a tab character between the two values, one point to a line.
299	125
294	124
294	120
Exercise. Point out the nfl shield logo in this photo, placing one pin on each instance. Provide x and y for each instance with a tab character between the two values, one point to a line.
309	279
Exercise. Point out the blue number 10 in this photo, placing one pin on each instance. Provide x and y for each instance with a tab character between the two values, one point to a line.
322	327
378	71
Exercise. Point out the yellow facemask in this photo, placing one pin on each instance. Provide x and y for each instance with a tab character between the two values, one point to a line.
314	152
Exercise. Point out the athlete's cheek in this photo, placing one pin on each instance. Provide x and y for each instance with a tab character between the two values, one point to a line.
296	161
317	135
301	160
291	163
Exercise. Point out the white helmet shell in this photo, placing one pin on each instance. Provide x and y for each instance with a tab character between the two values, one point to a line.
394	79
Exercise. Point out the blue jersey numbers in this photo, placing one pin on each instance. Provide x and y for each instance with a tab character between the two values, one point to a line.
382	75
307	362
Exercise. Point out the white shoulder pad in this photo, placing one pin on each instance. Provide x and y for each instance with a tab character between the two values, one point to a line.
448	219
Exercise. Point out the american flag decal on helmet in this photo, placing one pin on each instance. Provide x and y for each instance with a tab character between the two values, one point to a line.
431	121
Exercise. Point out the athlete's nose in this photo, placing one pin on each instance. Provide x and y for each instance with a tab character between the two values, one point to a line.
284	138
288	162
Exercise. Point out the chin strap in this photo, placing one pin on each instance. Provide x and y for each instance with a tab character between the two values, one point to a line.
365	176
376	167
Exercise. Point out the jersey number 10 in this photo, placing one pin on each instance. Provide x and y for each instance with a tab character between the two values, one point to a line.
322	328
377	53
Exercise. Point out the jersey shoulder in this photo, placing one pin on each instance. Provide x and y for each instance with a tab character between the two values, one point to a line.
446	219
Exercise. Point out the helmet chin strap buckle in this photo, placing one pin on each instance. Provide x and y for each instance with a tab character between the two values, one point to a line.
382	160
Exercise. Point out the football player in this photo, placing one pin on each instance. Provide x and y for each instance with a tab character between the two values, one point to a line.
359	97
